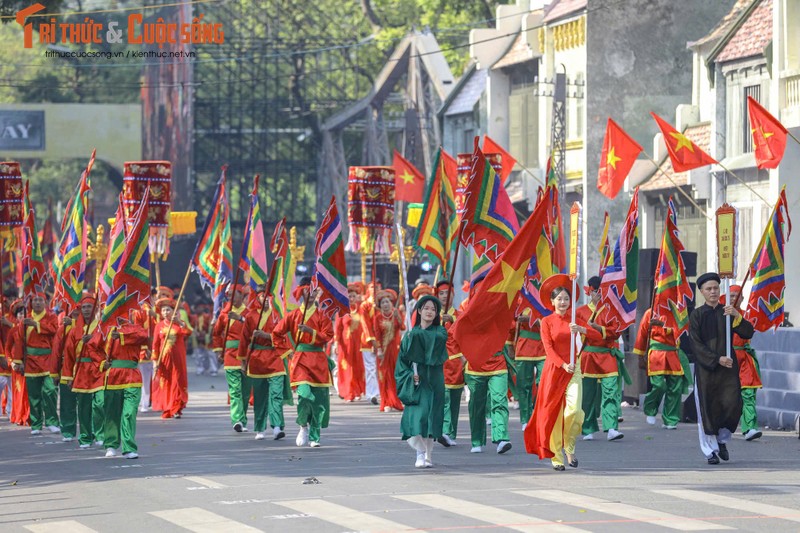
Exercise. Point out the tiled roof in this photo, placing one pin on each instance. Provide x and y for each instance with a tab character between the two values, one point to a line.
727	22
699	134
518	53
562	8
470	93
752	36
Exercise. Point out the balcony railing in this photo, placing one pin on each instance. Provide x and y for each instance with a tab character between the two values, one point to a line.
792	86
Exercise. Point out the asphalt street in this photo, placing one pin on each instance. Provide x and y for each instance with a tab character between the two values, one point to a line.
197	474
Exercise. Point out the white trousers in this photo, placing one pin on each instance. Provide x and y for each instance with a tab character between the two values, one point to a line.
709	444
146	369
371	373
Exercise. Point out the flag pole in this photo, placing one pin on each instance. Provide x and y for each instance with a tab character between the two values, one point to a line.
684	193
233	294
726	169
795	139
453	269
403	270
177	307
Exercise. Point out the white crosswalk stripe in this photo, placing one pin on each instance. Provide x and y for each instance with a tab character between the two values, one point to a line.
486	513
748	506
202	521
64	526
624	510
343	516
205	482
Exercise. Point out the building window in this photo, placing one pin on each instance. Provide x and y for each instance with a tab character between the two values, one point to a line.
747	135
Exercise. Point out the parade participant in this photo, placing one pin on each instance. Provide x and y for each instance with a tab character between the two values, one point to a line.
348	337
203	326
557	418
601	363
264	364
749	376
147	318
123	386
19	411
529	358
231	319
718	394
390	324
453	367
667	368
420	379
32	357
421	287
308	330
368	352
68	404
82	370
171	384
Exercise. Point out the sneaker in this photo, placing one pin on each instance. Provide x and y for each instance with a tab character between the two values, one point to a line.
723	452
524	426
178	415
651	420
713	460
36	432
260	435
669	427
144	409
428	463
450	441
130	455
302	436
244	429
54	429
420	463
374	400
387	409
620	419
237	427
443	441
503	446
476	449
752	435
111	452
613	434
590	436
85	446
66	439
277	433
314	444
98	443
513	406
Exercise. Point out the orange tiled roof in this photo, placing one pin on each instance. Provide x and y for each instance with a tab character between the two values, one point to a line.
700	134
752	36
727	22
518	53
562	8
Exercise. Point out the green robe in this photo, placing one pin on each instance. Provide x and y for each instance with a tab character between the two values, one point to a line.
423	413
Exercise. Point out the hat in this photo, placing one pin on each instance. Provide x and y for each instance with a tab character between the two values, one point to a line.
592	284
164	302
421	290
443	285
355	286
387	293
88	298
552	283
708	276
242	289
427	298
297	292
165	292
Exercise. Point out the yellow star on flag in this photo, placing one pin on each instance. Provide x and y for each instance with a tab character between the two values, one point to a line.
683	141
612	158
511	282
765	134
407	177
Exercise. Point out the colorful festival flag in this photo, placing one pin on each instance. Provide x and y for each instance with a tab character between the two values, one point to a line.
672	290
438	227
225	271
285	267
605	247
409	182
116	247
508	161
330	269
33	270
619	153
769	135
684	154
206	257
765	305
253	261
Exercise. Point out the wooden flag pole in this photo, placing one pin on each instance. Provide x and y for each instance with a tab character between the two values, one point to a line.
726	260
575	221
175	311
684	193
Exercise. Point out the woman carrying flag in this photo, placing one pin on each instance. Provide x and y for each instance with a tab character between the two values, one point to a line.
389	322
171	390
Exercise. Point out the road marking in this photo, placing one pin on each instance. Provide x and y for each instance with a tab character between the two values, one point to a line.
486	513
202	521
205	482
771	511
631	512
65	526
342	516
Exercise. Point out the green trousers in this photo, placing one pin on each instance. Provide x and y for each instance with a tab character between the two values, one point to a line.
42	398
68	411
491	388
600	398
267	402
452	407
669	388
313	409
239	387
91	416
528	373
122	406
748	420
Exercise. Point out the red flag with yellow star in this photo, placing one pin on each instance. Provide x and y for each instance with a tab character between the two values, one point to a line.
684	154
507	160
482	330
769	135
619	153
409	182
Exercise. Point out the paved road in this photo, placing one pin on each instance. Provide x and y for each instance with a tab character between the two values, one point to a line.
196	474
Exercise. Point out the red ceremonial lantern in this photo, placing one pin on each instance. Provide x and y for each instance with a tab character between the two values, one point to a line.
11	197
138	175
370	208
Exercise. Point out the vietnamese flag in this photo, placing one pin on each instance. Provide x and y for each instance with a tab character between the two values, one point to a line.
684	154
507	161
619	153
482	330
769	135
409	182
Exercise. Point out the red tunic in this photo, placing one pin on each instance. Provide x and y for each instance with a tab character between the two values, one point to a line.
84	362
171	384
309	363
143	318
266	357
663	358
348	331
529	342
367	312
494	365
57	353
749	374
66	364
390	328
230	344
39	344
597	361
123	371
454	366
20	409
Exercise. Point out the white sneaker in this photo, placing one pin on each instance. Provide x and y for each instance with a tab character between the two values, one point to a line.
302	436
54	429
237	427
613	434
314	444
260	435
36	432
476	449
66	439
144	409
85	446
513	405
503	446
524	426
451	442
98	443
753	434
420	463
428	463
111	452
590	436
277	433
668	427
244	429
130	455
651	420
